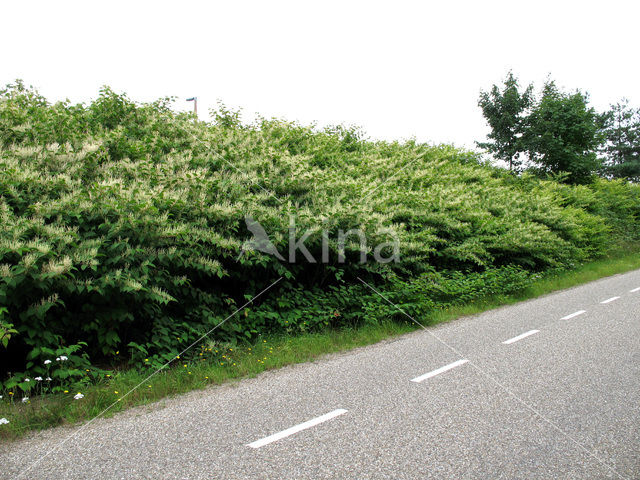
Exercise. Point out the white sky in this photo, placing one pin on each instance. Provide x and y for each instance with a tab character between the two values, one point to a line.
398	69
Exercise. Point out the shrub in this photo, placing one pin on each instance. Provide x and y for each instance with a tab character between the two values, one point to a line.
123	227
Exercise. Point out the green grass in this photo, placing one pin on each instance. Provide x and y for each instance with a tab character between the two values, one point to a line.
224	363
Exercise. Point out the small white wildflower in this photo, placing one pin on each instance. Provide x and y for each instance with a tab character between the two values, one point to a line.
39	379
25	399
78	396
3	421
63	358
0	397
27	380
47	362
58	359
48	379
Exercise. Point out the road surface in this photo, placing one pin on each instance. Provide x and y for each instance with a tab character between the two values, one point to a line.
548	388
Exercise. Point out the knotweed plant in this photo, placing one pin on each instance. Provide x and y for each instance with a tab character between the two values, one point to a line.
123	231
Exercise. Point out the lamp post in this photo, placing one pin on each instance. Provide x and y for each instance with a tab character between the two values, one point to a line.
195	104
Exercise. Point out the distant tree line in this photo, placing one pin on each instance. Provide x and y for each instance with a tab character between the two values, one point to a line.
558	134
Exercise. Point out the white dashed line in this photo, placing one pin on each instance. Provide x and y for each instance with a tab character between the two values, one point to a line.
609	300
290	431
520	337
635	290
574	314
439	370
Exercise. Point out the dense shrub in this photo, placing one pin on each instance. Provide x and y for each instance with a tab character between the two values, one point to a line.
123	226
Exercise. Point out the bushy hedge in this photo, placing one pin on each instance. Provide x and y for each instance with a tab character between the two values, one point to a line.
123	226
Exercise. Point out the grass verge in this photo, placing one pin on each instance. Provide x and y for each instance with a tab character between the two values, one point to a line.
221	364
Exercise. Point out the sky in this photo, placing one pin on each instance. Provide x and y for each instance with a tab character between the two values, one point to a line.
397	69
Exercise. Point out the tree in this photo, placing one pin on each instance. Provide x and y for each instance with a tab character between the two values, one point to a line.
562	135
622	147
505	111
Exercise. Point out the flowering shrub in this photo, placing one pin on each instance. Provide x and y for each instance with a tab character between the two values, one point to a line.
123	230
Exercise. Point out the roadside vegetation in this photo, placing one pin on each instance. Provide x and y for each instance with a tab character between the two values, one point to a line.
124	239
218	363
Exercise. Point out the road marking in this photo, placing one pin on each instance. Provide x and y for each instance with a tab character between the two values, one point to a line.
574	314
635	290
609	300
439	370
520	337
290	431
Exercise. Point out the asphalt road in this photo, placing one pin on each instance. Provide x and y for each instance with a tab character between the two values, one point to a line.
534	390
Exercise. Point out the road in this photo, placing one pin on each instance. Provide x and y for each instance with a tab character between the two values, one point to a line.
548	388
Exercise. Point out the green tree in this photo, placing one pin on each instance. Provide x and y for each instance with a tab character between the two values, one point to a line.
622	147
505	111
562	135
